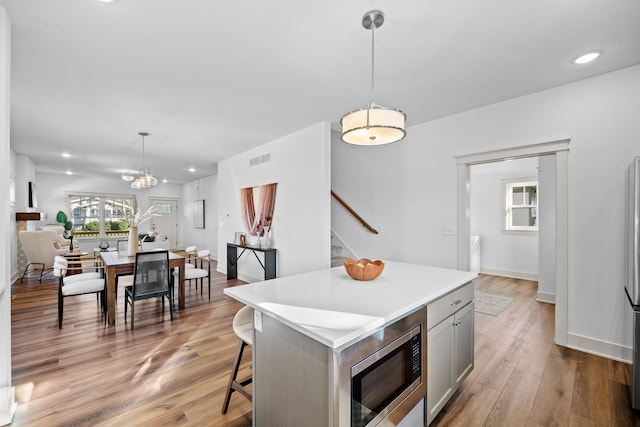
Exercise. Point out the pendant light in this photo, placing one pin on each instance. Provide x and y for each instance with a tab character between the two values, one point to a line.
144	179
374	124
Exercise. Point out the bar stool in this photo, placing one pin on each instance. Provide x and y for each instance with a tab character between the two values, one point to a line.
243	328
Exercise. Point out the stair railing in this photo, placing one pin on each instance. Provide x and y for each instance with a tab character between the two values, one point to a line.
354	213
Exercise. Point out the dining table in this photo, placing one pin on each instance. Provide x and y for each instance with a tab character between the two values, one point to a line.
120	263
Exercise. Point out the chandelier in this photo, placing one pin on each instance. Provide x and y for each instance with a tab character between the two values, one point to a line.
143	179
374	124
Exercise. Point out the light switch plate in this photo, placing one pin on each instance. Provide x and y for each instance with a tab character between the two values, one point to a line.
449	230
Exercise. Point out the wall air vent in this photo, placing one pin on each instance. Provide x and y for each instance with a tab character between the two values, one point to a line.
260	159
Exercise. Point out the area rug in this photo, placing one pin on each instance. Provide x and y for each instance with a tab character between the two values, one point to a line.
491	304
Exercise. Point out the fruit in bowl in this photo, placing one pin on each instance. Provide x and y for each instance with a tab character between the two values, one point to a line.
363	269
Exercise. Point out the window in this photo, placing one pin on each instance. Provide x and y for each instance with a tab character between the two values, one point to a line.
521	207
100	215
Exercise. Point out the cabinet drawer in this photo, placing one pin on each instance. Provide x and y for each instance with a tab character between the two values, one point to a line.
445	306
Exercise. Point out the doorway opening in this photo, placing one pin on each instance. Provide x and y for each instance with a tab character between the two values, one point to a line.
166	222
560	150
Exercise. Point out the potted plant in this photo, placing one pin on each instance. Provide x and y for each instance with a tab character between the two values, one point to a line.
61	217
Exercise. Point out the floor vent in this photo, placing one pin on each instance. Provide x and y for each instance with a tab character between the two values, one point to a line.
260	159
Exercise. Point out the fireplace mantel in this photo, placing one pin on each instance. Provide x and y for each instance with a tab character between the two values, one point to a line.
27	216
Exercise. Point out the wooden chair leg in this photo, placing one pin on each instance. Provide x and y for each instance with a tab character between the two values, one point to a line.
235	385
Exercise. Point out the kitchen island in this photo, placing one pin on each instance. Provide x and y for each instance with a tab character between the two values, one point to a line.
304	324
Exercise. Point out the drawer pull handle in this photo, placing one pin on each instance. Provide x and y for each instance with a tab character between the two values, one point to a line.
456	302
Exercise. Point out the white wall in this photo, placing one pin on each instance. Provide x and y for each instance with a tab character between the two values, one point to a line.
12	234
410	188
511	254
25	172
7	401
301	221
206	238
51	190
547	229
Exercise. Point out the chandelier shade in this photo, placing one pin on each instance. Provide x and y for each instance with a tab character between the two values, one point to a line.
374	124
127	176
143	179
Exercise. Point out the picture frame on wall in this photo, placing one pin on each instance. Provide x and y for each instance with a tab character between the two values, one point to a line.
198	214
33	201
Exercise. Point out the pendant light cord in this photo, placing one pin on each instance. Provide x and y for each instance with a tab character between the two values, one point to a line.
373	32
143	165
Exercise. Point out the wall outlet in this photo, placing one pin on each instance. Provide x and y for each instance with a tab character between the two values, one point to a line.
449	230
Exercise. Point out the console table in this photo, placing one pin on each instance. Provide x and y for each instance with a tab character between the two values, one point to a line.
269	265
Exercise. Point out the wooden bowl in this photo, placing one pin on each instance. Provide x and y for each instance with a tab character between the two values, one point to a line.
363	269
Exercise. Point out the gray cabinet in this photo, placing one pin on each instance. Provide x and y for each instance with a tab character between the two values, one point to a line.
450	341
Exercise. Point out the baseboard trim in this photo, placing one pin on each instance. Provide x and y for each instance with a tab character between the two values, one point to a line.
507	273
601	348
8	405
545	297
241	276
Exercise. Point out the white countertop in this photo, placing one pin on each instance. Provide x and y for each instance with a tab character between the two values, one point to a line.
332	308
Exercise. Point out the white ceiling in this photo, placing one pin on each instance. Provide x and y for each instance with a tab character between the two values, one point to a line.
209	79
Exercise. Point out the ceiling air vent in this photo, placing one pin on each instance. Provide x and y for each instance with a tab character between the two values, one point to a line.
260	159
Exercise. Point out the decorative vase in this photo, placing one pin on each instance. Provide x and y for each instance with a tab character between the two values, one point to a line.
132	243
266	241
104	245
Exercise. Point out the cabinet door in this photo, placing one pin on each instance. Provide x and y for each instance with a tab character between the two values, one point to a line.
463	331
439	367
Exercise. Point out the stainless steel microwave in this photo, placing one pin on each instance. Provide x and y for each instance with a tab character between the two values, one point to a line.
384	376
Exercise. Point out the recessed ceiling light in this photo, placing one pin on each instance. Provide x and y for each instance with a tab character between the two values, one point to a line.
165	181
66	155
69	173
586	58
192	169
106	1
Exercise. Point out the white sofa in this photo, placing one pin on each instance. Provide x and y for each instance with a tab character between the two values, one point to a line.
160	241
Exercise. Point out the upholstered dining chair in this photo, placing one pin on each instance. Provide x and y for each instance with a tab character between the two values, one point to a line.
80	283
190	252
201	268
243	328
39	247
151	279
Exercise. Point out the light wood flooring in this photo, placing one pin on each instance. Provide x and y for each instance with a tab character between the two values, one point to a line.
161	373
521	378
175	373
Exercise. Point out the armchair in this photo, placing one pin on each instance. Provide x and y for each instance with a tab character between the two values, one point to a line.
40	250
62	241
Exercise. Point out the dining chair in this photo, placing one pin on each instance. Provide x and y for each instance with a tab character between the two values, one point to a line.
79	283
243	328
151	279
201	269
122	245
190	252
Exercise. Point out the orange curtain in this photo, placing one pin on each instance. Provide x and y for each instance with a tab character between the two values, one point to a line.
248	209
267	204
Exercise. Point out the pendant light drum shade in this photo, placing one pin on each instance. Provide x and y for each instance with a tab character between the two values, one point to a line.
374	125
